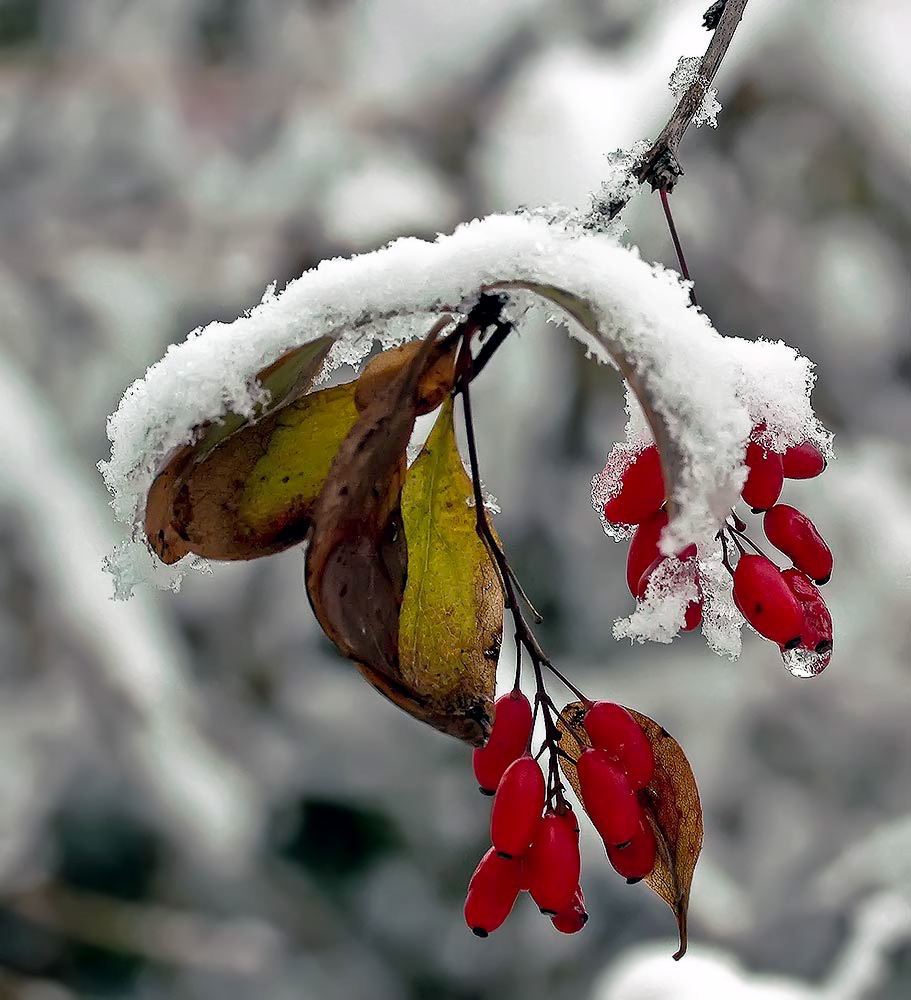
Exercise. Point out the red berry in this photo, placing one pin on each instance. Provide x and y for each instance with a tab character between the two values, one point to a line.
611	728
796	536
641	490
492	892
635	860
765	479
574	917
552	864
608	796
643	548
693	616
639	591
766	600
517	807
802	461
507	742
817	622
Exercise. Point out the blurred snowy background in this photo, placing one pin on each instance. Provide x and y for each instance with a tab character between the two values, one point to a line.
198	799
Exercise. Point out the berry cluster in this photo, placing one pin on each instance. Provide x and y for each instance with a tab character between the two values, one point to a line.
783	606
533	829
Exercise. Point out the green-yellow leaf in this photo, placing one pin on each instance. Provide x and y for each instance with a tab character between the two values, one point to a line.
452	611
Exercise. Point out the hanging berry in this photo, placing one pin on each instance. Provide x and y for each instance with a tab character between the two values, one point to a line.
803	461
492	893
552	864
765	478
816	634
766	601
641	490
574	917
507	742
794	534
635	860
611	728
643	548
517	807
608	796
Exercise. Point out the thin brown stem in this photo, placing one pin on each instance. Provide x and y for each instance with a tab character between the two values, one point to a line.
659	164
684	270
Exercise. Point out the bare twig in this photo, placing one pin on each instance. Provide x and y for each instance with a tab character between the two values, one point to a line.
659	164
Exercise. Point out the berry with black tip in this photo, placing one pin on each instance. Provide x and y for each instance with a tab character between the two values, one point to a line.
766	601
507	742
794	534
517	807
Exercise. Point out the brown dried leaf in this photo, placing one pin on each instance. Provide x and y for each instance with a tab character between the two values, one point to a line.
171	524
670	800
357	557
435	383
247	487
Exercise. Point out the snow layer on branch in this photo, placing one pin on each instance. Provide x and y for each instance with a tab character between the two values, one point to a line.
682	78
705	387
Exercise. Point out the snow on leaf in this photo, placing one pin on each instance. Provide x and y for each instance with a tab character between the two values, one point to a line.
699	389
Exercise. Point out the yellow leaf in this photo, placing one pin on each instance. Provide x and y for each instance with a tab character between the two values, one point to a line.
452	611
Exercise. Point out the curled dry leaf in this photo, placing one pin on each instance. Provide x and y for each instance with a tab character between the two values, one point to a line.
246	488
452	613
434	385
670	800
196	502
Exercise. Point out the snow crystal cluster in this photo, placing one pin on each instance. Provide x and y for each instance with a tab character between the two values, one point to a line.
682	79
707	391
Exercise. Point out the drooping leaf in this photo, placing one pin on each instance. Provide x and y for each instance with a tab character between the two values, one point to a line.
452	612
357	557
283	382
246	488
434	385
253	495
670	800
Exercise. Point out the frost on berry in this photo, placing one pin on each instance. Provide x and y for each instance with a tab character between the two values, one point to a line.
661	613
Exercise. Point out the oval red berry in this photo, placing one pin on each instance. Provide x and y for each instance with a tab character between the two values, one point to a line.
794	534
552	865
641	490
802	461
507	742
574	917
635	860
766	601
608	796
764	479
611	728
517	807
643	548
492	893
